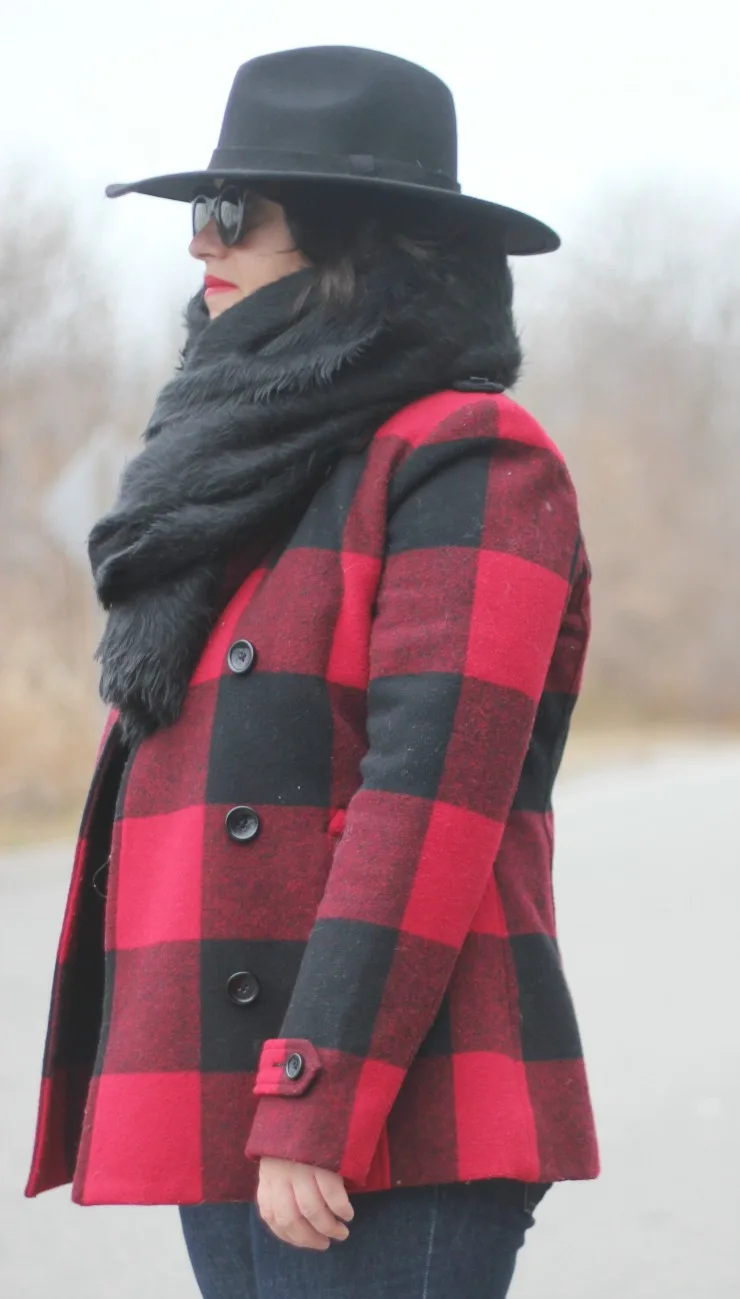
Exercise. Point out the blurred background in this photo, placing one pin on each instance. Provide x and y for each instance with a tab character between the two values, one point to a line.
620	131
619	126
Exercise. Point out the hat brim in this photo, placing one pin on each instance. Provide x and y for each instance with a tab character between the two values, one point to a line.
523	235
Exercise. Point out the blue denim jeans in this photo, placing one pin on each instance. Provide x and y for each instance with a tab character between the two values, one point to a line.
457	1241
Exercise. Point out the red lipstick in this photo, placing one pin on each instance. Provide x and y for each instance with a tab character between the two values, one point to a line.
215	285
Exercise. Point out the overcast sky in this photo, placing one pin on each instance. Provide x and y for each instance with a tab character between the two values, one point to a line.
555	101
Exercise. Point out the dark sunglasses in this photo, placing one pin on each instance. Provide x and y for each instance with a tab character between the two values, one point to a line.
234	211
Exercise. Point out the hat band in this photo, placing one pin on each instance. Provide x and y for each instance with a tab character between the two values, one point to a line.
236	158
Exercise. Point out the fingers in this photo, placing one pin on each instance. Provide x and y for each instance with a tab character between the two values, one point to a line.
334	1194
285	1219
303	1205
313	1205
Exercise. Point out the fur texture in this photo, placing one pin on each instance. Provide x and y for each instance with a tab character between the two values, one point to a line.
266	399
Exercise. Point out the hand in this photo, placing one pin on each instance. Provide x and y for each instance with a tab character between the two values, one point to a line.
303	1205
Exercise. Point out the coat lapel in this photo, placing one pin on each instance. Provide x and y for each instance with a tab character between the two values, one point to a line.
77	990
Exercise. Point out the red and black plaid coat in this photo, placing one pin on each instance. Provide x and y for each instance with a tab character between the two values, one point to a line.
329	931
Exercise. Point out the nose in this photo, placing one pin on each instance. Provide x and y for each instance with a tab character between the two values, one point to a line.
206	243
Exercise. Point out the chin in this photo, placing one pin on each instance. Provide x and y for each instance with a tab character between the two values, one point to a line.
221	302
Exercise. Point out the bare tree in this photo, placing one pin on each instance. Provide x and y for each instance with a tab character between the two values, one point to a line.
633	348
632	341
62	376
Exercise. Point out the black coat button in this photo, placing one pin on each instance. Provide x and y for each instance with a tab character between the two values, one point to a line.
241	656
294	1066
242	824
243	988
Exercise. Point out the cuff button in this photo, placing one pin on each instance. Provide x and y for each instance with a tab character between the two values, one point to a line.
294	1066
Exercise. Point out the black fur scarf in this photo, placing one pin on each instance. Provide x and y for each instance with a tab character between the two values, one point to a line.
267	397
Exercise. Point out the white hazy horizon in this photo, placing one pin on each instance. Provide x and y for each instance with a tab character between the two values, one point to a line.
556	104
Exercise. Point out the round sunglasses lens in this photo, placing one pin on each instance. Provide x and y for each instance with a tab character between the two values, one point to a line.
201	215
230	208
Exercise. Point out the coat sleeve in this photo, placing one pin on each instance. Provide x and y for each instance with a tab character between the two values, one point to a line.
482	534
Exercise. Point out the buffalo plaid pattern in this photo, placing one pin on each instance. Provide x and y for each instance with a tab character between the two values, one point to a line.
329	932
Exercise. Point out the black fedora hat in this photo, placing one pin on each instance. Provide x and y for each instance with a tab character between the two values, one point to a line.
342	115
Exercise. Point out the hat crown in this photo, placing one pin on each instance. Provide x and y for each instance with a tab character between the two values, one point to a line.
342	101
342	115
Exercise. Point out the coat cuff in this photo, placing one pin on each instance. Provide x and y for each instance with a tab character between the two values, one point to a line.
331	1115
287	1067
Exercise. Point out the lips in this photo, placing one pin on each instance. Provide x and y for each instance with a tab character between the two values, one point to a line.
214	285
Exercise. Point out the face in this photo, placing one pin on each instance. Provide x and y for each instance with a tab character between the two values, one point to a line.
266	253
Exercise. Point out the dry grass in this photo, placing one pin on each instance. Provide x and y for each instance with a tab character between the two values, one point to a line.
592	749
50	716
50	762
655	459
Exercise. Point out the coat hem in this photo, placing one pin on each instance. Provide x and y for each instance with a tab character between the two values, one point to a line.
112	1199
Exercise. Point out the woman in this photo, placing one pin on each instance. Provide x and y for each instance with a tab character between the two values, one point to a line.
347	601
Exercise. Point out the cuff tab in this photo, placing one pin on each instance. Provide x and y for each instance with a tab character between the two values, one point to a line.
288	1066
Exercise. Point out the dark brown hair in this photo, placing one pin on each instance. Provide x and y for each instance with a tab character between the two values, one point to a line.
346	233
343	230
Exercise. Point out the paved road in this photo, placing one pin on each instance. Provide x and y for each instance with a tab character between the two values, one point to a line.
648	892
